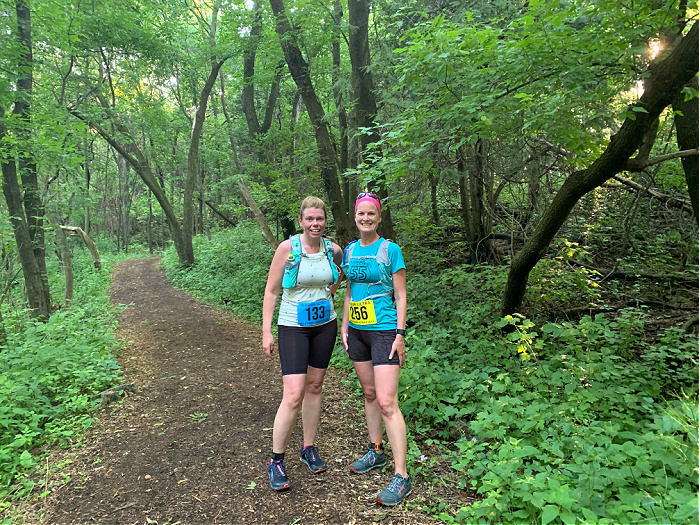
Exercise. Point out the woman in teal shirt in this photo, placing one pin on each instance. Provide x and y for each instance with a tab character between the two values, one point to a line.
373	330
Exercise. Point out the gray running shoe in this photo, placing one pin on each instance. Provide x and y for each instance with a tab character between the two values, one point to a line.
372	459
397	490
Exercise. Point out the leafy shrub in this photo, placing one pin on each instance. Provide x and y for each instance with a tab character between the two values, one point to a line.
49	373
578	432
230	269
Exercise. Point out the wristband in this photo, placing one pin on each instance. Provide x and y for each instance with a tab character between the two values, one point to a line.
401	331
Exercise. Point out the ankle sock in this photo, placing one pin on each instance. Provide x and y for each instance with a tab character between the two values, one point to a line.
277	457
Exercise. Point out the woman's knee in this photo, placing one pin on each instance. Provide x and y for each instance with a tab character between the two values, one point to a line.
370	394
314	388
389	405
293	397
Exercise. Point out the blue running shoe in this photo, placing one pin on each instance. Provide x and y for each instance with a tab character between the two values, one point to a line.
278	475
397	490
373	459
309	455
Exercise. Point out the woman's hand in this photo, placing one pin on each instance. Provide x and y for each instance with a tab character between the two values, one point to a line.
398	347
268	343
344	338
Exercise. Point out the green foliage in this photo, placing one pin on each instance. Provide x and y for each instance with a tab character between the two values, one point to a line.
563	423
230	269
50	373
593	421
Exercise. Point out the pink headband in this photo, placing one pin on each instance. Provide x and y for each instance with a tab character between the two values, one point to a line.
367	198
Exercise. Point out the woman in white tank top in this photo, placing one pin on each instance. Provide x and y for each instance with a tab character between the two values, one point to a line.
307	329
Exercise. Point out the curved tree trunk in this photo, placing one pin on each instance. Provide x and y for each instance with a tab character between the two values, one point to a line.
96	261
300	72
666	79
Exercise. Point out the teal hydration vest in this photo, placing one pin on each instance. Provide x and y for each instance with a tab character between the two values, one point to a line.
291	267
384	264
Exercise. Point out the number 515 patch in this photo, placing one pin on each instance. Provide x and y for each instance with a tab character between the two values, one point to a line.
362	312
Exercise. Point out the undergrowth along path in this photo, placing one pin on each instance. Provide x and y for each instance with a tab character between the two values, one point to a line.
191	445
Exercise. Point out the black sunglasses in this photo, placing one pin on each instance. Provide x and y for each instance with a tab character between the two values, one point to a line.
367	194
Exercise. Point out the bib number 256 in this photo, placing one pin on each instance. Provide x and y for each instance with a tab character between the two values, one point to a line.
362	312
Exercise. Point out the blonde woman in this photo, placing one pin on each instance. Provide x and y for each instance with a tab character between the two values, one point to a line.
305	268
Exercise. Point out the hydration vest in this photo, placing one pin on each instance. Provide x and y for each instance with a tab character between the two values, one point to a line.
384	264
291	267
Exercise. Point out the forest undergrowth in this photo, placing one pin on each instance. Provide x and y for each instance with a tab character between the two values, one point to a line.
589	420
50	373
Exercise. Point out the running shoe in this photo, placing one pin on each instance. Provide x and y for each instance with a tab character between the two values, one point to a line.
373	459
278	475
397	490
309	455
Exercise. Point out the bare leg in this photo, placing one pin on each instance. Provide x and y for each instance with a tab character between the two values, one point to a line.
386	379
311	407
292	397
373	414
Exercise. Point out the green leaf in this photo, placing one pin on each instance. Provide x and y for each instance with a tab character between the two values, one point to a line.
549	512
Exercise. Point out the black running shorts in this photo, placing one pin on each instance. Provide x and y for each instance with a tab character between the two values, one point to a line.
372	345
304	346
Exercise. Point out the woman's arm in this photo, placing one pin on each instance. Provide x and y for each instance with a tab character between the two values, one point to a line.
272	292
337	259
399	280
346	319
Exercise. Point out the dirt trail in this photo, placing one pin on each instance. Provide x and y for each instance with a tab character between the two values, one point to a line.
191	446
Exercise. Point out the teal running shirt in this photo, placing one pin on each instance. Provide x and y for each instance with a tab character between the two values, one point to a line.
365	276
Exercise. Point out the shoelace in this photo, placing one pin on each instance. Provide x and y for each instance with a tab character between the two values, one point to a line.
311	451
371	454
280	467
395	484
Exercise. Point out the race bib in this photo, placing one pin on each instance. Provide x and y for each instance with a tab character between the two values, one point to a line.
314	313
362	312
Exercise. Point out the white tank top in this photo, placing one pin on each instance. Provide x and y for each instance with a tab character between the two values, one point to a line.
313	284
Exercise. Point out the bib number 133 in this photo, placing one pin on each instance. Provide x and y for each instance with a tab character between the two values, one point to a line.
362	312
315	313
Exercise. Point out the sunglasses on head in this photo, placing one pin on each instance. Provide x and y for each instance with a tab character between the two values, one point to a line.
367	194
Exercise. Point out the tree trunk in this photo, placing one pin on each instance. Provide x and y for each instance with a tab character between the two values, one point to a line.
259	216
75	230
338	95
433	180
300	73
193	161
33	205
149	225
364	100
686	119
86	173
666	79
124	202
66	263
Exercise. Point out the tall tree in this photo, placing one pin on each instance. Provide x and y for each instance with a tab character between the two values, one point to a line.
26	211
299	69
364	100
666	79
